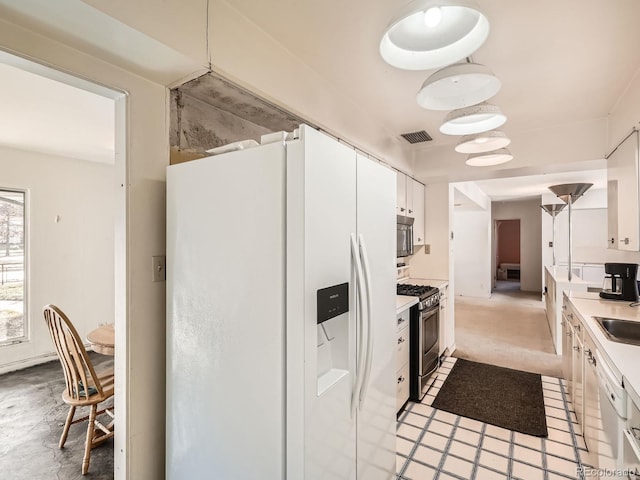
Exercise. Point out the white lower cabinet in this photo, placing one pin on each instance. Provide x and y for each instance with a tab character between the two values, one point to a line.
631	443
402	359
579	368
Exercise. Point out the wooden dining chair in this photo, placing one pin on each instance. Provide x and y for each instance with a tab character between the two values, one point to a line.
84	388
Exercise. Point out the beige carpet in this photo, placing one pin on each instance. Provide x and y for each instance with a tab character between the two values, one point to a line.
508	330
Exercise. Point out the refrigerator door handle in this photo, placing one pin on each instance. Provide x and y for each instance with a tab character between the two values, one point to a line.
357	383
367	282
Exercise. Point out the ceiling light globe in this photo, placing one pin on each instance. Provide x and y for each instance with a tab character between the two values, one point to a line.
432	17
474	119
457	86
489	159
408	43
483	142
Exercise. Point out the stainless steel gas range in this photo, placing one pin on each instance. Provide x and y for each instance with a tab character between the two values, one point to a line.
424	334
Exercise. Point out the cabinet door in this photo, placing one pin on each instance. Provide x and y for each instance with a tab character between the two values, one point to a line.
401	192
622	180
410	182
592	419
567	352
418	212
402	348
442	341
577	390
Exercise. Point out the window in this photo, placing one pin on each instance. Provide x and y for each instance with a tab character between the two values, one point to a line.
13	325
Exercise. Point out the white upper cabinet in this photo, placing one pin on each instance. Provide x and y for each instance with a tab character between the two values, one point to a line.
410	203
622	196
418	212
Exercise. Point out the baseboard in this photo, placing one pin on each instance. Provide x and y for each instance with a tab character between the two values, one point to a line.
449	350
26	363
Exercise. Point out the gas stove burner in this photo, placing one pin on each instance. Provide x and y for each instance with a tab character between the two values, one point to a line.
412	290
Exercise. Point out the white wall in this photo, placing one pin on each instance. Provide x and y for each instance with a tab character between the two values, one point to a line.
141	161
528	211
70	261
472	252
241	51
589	232
436	222
589	229
471	220
270	70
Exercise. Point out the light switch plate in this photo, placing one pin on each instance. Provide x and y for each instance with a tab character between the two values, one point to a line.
159	265
427	249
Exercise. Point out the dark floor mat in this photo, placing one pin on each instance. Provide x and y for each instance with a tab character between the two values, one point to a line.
500	396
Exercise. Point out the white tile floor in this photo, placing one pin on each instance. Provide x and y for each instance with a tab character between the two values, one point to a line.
433	444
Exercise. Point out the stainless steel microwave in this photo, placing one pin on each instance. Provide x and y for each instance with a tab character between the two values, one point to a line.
404	237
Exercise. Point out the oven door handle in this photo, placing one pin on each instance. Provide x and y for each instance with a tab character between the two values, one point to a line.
357	382
364	258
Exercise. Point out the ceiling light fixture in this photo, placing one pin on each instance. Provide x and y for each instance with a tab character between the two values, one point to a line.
553	209
474	119
483	142
488	159
458	86
430	34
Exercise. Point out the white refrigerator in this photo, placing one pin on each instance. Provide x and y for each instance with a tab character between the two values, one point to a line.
281	314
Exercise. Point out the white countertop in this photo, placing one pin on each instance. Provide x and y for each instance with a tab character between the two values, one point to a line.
625	358
403	302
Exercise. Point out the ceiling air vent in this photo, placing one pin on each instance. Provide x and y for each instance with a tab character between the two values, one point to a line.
417	137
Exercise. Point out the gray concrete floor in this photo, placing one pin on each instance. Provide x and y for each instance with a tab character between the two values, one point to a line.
32	415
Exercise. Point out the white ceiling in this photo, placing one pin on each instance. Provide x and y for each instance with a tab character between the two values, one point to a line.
560	62
44	115
504	189
563	64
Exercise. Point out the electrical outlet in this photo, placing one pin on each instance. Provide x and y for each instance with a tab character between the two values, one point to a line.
159	265
427	249
550	244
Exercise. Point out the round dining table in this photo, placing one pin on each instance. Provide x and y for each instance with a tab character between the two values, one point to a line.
102	339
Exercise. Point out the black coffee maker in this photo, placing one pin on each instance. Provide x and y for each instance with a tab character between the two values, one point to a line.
620	282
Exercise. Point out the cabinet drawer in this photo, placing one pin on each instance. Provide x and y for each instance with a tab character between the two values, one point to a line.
574	320
402	348
402	386
402	319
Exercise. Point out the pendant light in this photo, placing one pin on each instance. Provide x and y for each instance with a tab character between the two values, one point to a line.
457	86
474	119
483	142
569	193
429	34
553	209
487	159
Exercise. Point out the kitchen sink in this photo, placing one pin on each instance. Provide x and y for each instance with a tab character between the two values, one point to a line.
618	330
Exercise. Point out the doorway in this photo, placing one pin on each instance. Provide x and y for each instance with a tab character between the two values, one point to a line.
61	158
507	254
